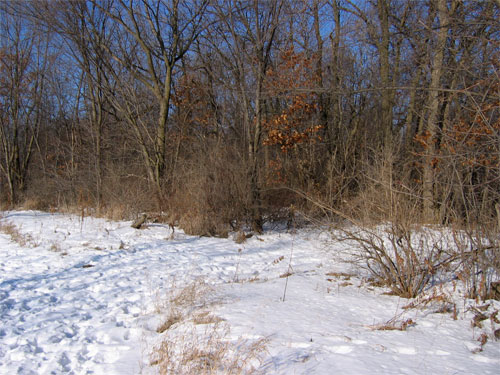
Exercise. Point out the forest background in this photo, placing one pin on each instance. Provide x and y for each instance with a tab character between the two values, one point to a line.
231	114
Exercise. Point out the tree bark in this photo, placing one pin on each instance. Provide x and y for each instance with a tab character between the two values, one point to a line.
432	128
383	50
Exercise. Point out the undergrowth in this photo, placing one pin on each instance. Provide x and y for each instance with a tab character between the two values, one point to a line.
402	257
22	239
194	341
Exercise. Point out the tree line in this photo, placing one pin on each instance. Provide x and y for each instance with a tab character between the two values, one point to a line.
230	113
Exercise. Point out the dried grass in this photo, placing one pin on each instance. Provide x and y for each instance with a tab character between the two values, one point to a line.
22	239
393	325
346	276
208	352
36	203
437	301
183	302
205	317
173	318
55	246
198	342
240	237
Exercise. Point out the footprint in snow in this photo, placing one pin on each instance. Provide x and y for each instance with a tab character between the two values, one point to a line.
55	339
64	361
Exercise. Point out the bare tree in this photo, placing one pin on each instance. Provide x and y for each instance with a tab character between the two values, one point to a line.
83	27
377	21
23	60
433	104
249	31
150	38
164	88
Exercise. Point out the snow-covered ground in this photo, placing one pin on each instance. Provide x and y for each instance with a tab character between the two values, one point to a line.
86	296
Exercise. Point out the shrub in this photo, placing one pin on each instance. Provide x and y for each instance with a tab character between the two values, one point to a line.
401	256
478	250
210	194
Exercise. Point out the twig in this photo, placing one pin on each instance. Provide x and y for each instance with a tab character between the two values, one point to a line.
288	272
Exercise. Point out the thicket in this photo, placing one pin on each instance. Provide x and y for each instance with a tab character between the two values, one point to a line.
225	114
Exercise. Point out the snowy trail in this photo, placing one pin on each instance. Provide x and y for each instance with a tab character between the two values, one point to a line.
65	318
81	312
82	300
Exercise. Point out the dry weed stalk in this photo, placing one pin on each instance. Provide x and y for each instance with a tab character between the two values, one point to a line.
478	250
173	318
396	323
485	320
208	352
438	302
22	239
482	339
183	302
205	317
197	342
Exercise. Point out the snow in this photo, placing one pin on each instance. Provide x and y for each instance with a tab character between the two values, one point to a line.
86	296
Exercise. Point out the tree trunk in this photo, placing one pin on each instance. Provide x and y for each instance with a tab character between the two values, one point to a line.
161	144
336	111
383	50
254	151
431	152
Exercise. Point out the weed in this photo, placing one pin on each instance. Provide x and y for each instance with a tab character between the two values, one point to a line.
205	317
346	276
55	246
477	321
393	325
481	314
345	284
235	279
438	302
240	237
197	342
173	318
182	302
279	259
483	339
194	295
207	352
22	239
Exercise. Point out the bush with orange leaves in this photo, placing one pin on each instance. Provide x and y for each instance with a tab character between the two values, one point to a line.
292	84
